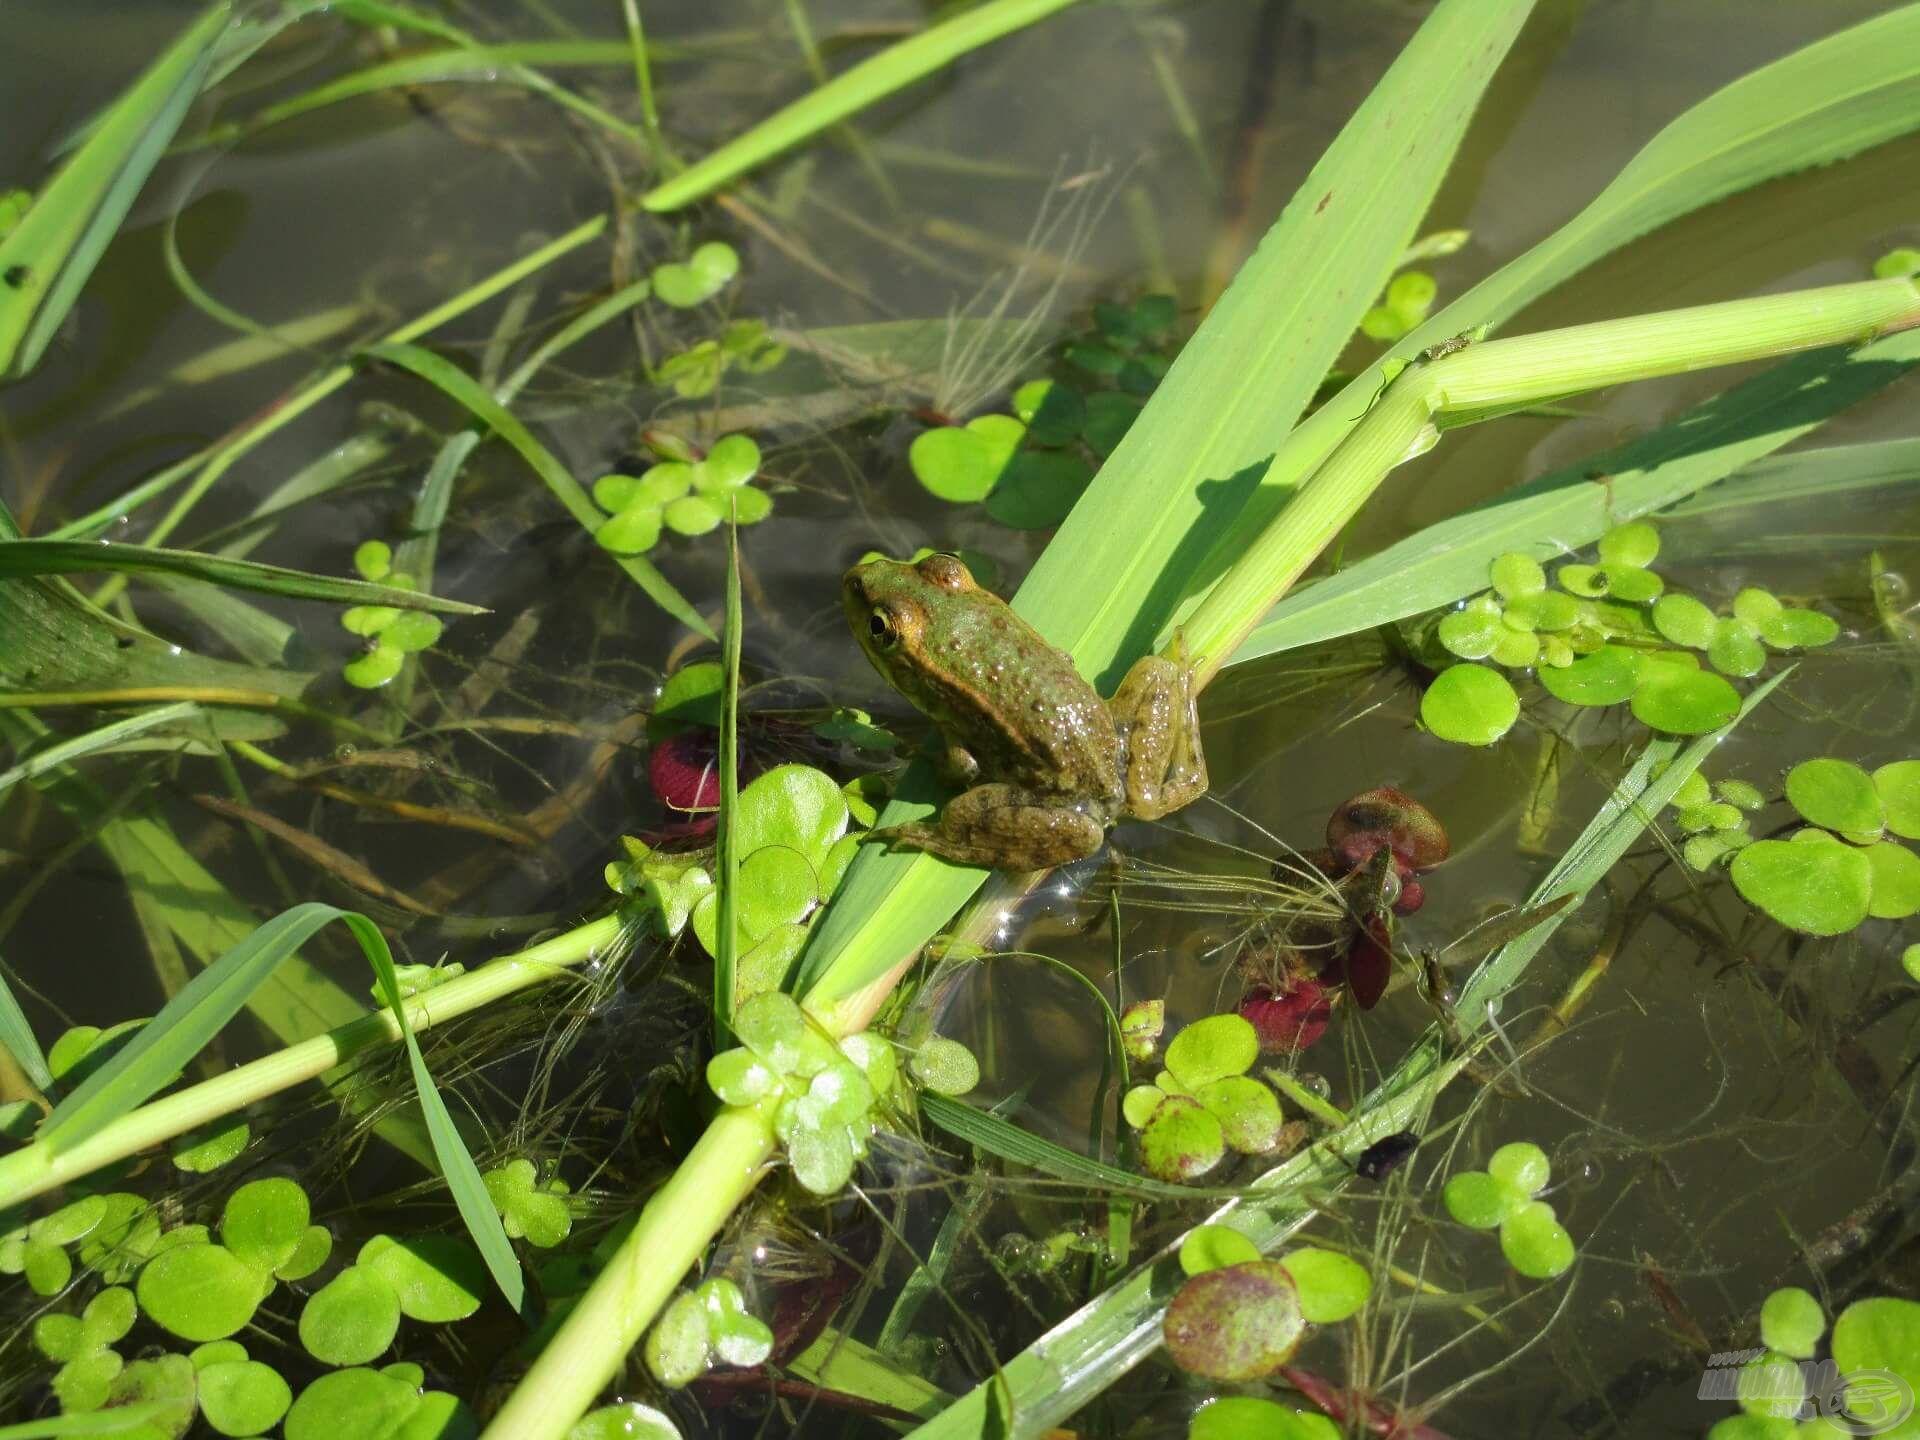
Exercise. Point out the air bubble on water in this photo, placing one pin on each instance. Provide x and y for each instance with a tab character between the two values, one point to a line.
1315	1082
173	650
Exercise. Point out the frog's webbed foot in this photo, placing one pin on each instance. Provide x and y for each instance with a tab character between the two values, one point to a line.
1002	827
1155	713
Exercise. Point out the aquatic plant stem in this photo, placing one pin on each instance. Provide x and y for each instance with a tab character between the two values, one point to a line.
39	1167
1500	375
678	1223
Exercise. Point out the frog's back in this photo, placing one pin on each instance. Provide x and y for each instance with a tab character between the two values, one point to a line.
1016	703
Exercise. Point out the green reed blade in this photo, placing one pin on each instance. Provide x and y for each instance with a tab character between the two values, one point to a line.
894	68
1822	103
21	558
49	256
1169	491
1564	510
17	1035
726	840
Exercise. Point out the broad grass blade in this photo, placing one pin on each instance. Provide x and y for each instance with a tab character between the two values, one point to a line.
1171	488
467	392
52	252
1567	509
894	68
1832	99
22	558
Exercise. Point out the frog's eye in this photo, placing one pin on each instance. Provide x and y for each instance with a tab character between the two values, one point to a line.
880	626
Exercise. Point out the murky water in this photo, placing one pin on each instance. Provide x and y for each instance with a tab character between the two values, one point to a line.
1714	1110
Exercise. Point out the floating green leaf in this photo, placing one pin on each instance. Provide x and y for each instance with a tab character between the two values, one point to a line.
1792	1322
200	1292
1182	1140
1331	1286
1683	701
964	463
1898	786
1535	1243
1606	677
1470	705
1211	1049
1799	630
351	1319
1248	1417
1234	1324
1685	621
628	1420
242	1397
1209	1247
1836	794
1896	881
435	1278
1817	888
704	274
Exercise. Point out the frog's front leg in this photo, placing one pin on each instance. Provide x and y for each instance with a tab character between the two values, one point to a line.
1003	827
1154	712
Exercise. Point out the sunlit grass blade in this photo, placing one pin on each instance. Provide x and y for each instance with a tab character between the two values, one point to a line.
1022	1147
1826	474
1832	99
726	836
894	68
464	390
17	1035
184	1026
51	253
473	64
1407	418
93	742
1635	802
837	1361
1566	509
119	1420
21	558
1169	490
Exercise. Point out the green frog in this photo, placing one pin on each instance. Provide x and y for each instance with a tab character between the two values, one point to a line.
1046	764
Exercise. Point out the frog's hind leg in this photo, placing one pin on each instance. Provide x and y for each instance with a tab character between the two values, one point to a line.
1154	708
1002	827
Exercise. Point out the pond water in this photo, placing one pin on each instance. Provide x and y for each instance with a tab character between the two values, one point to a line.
1729	1101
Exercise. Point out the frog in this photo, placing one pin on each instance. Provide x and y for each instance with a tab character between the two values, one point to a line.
1043	764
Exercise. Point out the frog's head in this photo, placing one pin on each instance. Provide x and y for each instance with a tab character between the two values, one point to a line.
890	603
